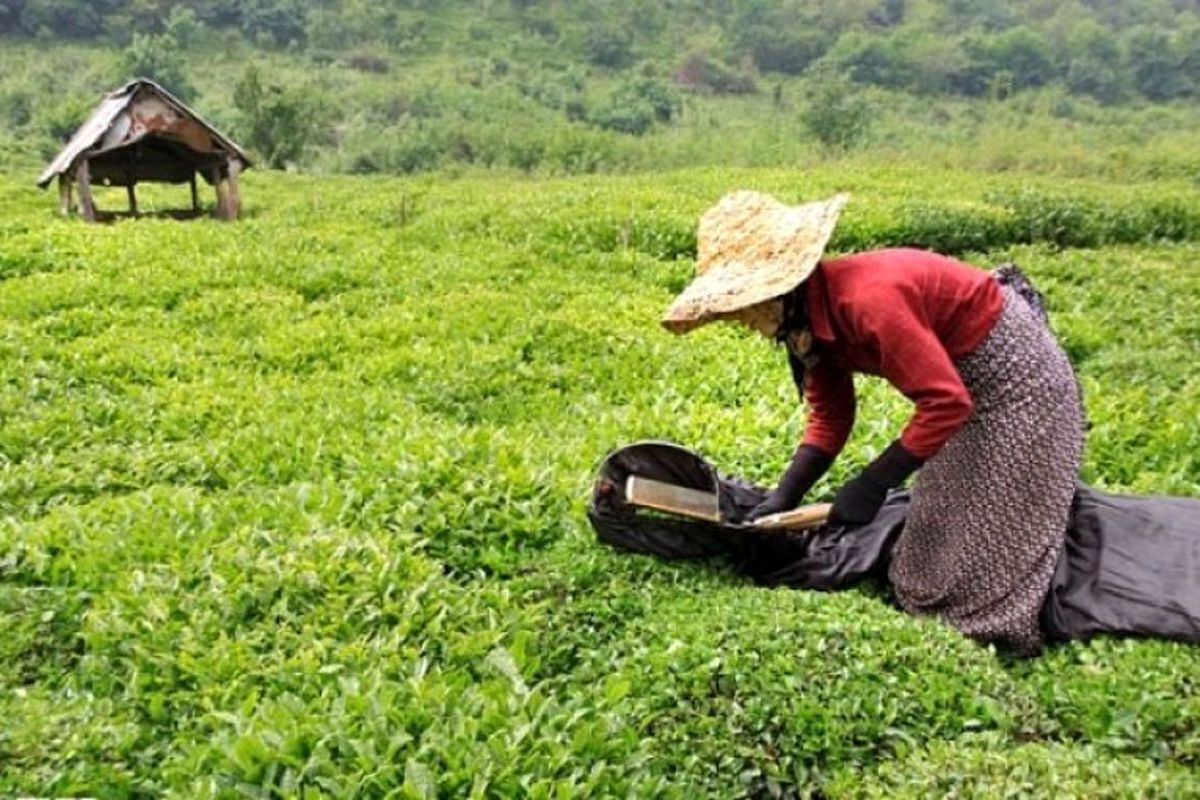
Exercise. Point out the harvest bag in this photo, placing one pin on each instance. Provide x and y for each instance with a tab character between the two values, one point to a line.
1130	565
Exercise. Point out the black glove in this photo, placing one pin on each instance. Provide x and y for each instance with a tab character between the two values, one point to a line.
808	465
860	498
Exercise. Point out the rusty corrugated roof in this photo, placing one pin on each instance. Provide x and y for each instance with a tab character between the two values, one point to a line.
98	133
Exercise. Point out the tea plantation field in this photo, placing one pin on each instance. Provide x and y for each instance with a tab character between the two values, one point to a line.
295	507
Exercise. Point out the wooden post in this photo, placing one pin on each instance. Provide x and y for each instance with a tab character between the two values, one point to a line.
87	206
133	209
235	200
224	204
219	185
195	197
64	195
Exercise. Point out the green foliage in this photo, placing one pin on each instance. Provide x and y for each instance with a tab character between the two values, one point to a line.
276	122
1094	63
187	29
1157	59
636	105
969	47
702	72
61	118
274	22
608	46
56	17
779	48
302	513
498	85
836	114
1020	53
157	56
404	151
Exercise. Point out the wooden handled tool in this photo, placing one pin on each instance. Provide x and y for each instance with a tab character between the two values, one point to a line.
698	504
798	519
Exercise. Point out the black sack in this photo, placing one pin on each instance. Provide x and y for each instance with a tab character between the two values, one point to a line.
1129	565
826	558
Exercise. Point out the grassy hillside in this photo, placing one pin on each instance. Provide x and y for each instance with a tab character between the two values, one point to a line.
294	507
1074	88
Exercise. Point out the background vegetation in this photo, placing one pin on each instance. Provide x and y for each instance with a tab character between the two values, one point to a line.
294	507
1079	87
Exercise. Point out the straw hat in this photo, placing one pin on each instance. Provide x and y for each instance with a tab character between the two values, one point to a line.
751	248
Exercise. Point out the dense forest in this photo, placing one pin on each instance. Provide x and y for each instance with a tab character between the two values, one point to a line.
425	83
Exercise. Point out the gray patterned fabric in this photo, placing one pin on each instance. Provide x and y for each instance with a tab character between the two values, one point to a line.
990	509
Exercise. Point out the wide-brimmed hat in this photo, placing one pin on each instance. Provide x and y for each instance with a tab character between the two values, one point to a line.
751	248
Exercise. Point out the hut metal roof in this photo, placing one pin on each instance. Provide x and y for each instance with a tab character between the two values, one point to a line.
116	123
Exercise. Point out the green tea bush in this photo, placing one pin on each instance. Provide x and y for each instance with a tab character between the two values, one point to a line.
939	227
299	511
995	221
1088	222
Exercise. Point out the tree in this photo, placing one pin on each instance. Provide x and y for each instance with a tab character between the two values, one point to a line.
782	50
10	17
63	17
1018	58
889	13
157	56
1022	52
701	72
1094	62
277	22
873	59
836	114
185	27
1156	64
778	37
277	123
608	46
636	105
934	62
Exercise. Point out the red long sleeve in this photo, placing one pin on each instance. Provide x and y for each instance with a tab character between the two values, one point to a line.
829	391
904	315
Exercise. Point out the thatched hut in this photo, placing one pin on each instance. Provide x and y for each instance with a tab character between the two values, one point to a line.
141	132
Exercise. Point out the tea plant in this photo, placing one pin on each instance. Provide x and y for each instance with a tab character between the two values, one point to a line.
294	507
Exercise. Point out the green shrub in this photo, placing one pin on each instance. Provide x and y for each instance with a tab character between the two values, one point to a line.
636	105
277	123
608	46
836	115
157	57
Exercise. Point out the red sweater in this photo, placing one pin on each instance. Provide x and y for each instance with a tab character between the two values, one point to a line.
904	315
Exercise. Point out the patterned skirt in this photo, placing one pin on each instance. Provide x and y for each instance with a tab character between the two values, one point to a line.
990	509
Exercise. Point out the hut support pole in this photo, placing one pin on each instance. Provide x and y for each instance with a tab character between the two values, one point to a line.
195	197
87	206
235	199
64	195
133	209
222	188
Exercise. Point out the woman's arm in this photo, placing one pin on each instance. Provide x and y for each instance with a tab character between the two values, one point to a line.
829	391
915	361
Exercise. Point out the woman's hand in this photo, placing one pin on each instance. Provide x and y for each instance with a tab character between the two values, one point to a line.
858	501
860	498
774	504
808	464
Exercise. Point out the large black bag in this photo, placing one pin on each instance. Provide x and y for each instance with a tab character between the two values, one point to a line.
1130	565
